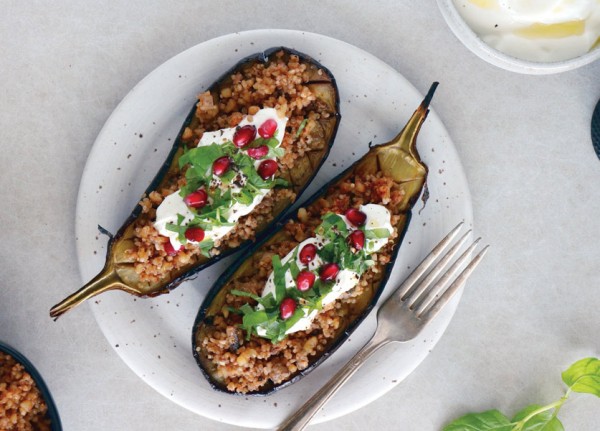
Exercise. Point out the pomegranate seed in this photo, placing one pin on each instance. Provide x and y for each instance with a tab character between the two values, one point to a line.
308	253
329	271
195	234
169	249
287	308
258	152
221	165
305	280
267	169
357	239
356	217
196	199
244	135
268	128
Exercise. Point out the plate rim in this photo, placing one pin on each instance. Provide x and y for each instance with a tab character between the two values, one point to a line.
79	228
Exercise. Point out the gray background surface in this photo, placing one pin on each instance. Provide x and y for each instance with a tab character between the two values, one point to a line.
530	311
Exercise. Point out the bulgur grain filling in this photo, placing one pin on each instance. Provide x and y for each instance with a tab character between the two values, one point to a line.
249	365
282	84
22	407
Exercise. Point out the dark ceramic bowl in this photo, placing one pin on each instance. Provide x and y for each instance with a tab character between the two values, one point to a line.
55	424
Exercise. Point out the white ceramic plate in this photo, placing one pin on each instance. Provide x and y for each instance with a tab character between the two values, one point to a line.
153	336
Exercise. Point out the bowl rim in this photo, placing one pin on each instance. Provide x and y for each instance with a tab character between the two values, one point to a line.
475	44
55	423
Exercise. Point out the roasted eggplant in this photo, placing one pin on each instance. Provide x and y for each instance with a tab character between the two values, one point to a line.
296	87
242	338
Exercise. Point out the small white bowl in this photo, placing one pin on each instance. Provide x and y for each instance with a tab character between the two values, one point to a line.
468	37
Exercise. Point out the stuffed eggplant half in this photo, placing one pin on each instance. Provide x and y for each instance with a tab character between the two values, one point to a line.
296	296
250	145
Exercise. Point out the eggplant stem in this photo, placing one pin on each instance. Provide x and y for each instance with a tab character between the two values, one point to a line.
407	138
103	282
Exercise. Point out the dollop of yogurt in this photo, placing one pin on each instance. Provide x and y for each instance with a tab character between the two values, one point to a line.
378	217
174	207
535	30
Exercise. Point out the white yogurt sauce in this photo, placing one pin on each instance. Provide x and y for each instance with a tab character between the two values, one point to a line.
173	204
377	217
535	30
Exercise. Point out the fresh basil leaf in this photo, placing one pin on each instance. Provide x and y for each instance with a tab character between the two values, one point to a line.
491	420
543	421
584	376
378	233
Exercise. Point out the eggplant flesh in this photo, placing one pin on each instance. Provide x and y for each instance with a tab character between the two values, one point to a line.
227	356
313	125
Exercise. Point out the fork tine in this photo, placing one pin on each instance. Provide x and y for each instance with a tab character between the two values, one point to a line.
426	263
439	286
419	291
429	313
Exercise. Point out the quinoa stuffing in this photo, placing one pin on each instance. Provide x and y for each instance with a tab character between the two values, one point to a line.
284	83
245	365
22	407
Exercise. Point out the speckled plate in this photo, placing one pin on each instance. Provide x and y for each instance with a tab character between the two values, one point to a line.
153	336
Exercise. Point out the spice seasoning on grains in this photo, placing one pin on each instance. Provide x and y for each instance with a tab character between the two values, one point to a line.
22	407
248	365
281	85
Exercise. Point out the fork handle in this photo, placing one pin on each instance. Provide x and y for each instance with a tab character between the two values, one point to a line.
299	420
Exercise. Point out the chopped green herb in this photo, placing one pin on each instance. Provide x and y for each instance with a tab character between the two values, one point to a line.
378	233
301	128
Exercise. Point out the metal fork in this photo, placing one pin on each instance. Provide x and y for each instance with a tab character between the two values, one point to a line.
403	315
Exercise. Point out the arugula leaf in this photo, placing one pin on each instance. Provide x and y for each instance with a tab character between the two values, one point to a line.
542	421
584	376
491	420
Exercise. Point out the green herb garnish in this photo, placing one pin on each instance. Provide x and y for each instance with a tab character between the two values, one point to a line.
301	128
336	249
583	376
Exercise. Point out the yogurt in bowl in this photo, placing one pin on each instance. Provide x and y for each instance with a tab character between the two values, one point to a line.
529	36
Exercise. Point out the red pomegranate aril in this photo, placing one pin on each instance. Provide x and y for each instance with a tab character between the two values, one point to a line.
356	217
258	152
357	239
244	135
194	234
268	128
267	169
329	271
221	165
308	253
196	199
287	308
170	250
305	280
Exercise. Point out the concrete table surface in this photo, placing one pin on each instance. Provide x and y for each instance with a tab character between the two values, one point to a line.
528	312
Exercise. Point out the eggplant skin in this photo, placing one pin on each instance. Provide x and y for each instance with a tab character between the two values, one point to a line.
216	296
263	57
391	174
